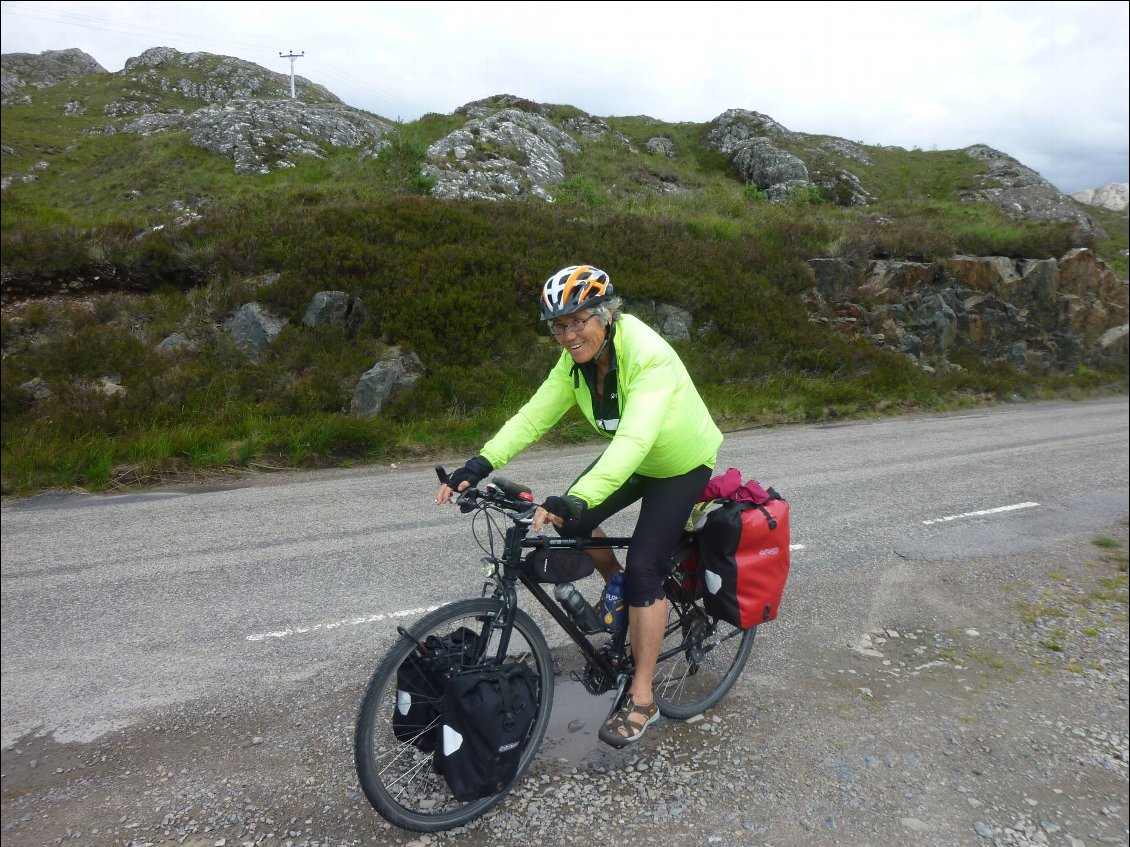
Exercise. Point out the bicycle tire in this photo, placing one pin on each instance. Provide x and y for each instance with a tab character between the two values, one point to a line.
693	679
398	779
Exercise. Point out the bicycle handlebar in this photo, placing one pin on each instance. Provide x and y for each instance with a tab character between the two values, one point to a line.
500	492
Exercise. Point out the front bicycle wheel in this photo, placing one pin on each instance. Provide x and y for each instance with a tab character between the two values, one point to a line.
700	660
395	769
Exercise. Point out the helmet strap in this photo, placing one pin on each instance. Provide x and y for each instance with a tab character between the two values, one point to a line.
603	346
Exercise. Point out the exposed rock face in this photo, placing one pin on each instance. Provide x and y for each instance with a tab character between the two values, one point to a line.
216	79
263	135
765	155
762	164
377	384
1022	193
335	308
735	128
511	153
660	145
1040	314
1113	196
671	322
21	70
253	328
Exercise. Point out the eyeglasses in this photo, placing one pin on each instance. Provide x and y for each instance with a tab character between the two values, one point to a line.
575	325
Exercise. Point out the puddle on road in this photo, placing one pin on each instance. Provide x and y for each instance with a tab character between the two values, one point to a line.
571	736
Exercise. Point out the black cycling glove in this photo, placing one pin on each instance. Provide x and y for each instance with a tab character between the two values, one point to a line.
567	507
474	471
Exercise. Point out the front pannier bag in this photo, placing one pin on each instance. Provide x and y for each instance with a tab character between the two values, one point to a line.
487	716
420	682
743	551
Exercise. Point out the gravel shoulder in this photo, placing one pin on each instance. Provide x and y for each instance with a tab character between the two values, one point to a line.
967	702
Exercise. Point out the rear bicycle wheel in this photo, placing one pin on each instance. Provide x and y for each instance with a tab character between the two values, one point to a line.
700	660
397	776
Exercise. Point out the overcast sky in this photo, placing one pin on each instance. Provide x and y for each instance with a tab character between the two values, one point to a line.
1045	82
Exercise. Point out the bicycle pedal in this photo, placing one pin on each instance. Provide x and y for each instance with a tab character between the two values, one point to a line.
576	677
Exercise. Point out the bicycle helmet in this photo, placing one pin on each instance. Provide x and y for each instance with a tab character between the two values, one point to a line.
572	289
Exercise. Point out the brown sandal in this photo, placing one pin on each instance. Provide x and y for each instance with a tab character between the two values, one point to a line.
627	717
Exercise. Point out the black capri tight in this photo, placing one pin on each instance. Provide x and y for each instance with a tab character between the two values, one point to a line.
664	508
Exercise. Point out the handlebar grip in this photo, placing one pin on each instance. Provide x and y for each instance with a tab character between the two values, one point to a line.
513	489
442	474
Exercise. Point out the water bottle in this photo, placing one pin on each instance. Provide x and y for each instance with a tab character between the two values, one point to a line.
583	615
614	611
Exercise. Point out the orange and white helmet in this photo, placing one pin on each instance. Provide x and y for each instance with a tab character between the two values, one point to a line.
572	289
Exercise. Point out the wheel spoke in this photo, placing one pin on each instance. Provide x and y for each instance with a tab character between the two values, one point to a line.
398	777
699	660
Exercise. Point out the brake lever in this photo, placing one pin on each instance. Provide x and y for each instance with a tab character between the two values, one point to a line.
466	500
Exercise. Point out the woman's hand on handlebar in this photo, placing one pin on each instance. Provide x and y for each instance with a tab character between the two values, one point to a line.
542	517
472	473
445	492
556	509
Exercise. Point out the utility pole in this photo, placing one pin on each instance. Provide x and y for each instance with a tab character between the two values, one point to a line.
292	56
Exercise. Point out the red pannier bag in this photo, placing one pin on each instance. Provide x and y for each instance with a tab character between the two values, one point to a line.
743	560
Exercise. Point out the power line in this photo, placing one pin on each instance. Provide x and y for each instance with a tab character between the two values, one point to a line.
91	22
105	25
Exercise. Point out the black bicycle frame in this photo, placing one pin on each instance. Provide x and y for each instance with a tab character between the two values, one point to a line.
512	571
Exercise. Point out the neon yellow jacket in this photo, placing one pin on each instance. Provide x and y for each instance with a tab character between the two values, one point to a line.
664	429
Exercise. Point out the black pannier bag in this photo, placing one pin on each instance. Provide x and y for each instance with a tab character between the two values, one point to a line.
559	565
420	683
487	715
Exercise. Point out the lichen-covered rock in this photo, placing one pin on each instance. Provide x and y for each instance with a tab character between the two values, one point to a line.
660	145
847	149
216	79
735	128
23	70
1114	196
508	154
261	135
1022	193
760	163
756	144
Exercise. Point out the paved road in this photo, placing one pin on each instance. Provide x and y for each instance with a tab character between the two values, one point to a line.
115	604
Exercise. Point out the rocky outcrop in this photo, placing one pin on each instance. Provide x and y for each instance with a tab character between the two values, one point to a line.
507	154
264	135
377	385
671	322
215	79
785	164
1113	196
24	70
1022	193
1040	314
336	308
253	328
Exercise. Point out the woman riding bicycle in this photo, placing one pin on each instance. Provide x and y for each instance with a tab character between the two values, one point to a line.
633	388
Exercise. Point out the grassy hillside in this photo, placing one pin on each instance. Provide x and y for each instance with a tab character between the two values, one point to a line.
452	281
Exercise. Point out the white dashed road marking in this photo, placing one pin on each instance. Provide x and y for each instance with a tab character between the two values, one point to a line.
324	627
1011	508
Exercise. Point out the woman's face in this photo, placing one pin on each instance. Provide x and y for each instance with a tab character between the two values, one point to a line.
582	343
